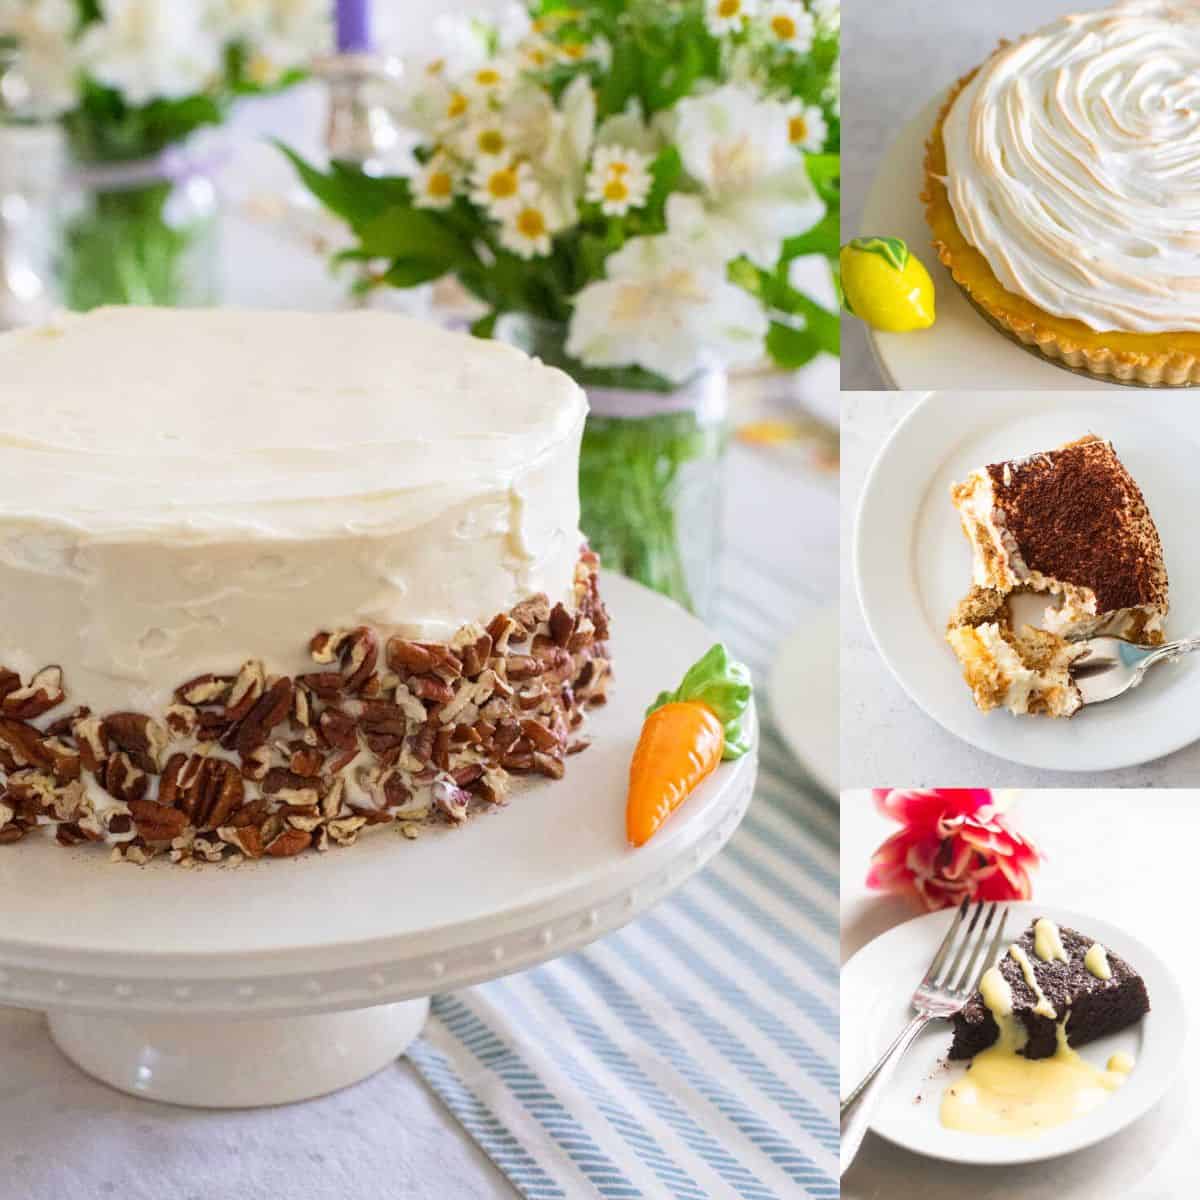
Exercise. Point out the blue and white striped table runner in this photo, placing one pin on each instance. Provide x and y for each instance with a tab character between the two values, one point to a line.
693	1053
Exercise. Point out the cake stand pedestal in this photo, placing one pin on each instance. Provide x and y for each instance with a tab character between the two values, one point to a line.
282	980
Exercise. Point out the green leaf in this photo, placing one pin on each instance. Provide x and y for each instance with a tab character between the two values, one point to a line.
822	238
723	684
892	250
791	348
405	232
409	272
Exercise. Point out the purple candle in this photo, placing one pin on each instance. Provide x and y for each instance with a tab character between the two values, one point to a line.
353	26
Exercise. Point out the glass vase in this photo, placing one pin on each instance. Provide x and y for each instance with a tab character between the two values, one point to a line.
650	471
141	232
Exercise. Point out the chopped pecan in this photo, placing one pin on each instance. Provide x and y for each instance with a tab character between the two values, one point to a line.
156	822
306	761
548	764
207	790
475	655
45	691
562	625
339	729
384	725
269	710
539	735
523	666
360	652
24	743
203	690
531	612
10	681
65	761
247	688
288	843
122	778
140	737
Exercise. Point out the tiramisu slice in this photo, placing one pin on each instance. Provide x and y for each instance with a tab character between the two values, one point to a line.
1070	523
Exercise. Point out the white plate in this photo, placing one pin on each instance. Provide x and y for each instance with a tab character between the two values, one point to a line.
913	564
803	691
961	350
875	1005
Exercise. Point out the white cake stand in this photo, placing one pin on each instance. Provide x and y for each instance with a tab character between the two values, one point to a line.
281	980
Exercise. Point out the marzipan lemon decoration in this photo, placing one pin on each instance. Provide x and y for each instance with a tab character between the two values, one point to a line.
886	285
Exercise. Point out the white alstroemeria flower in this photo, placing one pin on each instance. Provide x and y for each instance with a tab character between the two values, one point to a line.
756	189
619	180
45	81
148	50
790	24
631	129
557	141
488	139
460	45
665	306
728	16
527	231
280	35
513	26
433	184
501	189
807	128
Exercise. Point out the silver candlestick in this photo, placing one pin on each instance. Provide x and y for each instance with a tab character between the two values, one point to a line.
361	127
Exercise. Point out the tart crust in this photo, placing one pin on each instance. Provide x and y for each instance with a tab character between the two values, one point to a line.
1149	359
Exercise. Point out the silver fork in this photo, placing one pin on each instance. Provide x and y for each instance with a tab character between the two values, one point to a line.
948	984
1110	666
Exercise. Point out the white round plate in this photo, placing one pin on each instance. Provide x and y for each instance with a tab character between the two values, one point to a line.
913	564
960	350
803	696
875	1006
388	919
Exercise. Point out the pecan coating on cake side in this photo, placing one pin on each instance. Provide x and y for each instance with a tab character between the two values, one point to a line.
252	765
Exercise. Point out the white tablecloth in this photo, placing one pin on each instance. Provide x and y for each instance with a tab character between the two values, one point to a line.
1154	1159
896	55
886	738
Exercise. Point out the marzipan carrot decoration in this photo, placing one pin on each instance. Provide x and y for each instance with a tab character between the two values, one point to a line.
687	732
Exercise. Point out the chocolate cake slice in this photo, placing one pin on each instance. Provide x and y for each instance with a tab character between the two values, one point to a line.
1093	1006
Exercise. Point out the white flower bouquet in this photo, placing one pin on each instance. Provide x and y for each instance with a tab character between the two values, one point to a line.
132	81
624	185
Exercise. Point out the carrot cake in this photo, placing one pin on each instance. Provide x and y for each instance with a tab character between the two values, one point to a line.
269	578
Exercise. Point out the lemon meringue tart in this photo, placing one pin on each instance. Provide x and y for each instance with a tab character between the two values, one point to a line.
1062	188
267	579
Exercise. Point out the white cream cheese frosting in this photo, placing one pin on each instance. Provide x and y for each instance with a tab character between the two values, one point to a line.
1072	166
181	491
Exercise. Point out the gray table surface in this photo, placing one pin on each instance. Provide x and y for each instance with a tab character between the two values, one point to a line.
896	55
886	738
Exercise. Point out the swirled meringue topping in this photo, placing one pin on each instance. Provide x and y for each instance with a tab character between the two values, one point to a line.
193	489
1073	166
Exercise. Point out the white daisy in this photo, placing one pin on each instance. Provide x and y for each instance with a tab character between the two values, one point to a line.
433	185
790	24
807	128
728	16
537	53
619	180
487	139
502	188
491	80
527	230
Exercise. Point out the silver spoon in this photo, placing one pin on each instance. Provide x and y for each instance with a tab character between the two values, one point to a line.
1110	666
